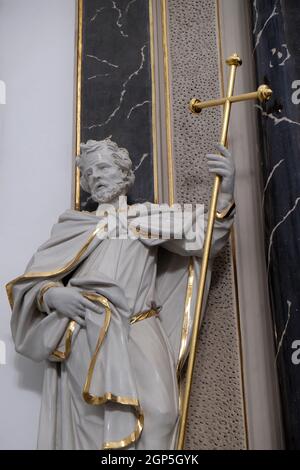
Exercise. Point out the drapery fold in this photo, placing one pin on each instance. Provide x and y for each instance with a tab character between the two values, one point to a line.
94	361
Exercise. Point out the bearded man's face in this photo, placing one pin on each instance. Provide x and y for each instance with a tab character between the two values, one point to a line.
105	178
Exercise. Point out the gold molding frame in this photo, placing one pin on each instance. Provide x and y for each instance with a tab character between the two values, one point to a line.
154	108
170	164
78	98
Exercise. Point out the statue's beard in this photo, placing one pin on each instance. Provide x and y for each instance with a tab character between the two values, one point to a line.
105	195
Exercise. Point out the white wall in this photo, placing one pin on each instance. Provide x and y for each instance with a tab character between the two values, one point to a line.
37	44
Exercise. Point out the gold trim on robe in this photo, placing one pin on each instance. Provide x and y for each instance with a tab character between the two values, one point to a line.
187	320
92	400
64	269
109	397
63	355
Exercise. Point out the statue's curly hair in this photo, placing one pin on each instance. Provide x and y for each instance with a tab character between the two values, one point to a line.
120	156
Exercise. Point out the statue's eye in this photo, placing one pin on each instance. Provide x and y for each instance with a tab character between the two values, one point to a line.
88	172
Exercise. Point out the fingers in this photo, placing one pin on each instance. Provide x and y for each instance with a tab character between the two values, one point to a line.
223	150
219	172
76	315
80	321
216	161
223	168
221	164
216	166
88	304
78	310
217	158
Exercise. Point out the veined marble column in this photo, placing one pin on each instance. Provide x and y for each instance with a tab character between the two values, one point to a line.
116	85
276	25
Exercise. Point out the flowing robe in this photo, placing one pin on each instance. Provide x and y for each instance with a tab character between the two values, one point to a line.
112	384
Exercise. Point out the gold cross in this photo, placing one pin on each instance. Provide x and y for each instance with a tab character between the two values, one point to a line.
263	93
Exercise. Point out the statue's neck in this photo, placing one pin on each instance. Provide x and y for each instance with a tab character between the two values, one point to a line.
118	202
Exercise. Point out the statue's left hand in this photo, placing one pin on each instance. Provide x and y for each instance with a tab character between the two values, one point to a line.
70	303
223	166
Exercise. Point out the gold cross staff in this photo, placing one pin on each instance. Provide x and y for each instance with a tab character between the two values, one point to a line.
263	93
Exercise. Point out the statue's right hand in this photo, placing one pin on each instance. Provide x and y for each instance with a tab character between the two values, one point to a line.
69	302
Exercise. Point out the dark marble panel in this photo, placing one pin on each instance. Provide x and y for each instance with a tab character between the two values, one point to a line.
276	33
116	84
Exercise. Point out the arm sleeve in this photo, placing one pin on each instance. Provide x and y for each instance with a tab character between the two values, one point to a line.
184	247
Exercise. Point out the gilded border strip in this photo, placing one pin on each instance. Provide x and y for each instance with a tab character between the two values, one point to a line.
67	267
186	324
232	241
108	397
168	101
154	108
78	97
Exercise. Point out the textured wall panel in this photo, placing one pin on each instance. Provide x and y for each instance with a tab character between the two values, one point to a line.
216	414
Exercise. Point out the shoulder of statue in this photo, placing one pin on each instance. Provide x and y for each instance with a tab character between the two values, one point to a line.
76	216
74	222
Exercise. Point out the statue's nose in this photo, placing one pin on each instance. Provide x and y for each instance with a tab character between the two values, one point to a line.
95	177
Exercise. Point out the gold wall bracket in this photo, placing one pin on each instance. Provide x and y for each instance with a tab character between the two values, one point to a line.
263	93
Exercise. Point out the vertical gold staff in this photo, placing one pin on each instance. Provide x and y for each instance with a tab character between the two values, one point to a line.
263	94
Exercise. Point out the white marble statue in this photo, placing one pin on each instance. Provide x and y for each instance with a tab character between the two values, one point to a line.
111	317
